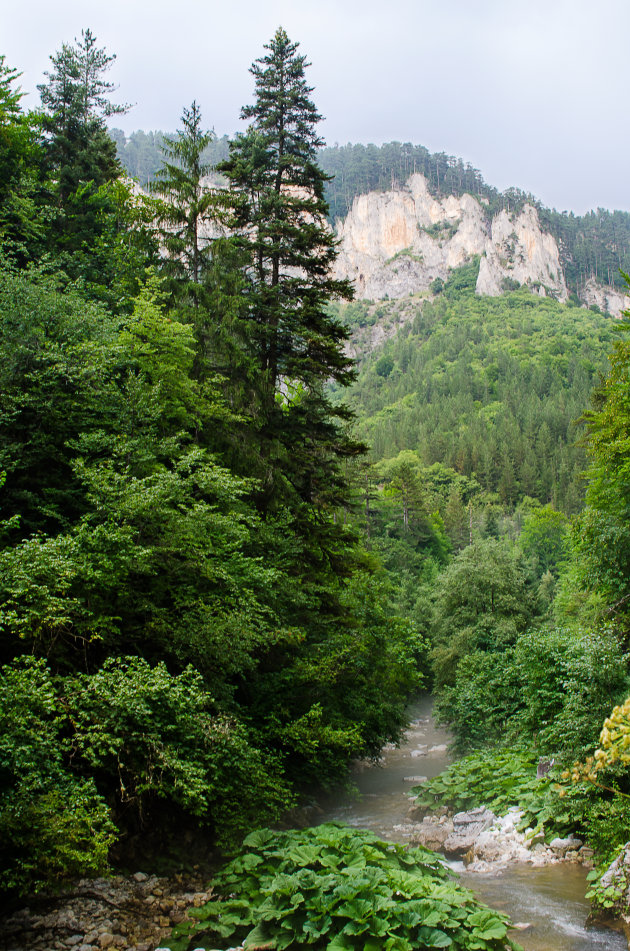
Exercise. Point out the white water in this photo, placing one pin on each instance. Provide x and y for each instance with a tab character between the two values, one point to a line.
550	900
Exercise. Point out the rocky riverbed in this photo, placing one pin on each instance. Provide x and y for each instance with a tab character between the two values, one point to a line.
486	842
126	913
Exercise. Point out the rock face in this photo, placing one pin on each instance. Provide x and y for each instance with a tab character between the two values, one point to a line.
609	299
394	244
519	251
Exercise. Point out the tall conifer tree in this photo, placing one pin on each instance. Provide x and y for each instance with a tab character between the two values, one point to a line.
279	214
80	156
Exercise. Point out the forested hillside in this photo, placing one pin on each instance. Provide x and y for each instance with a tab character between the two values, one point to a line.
491	387
229	556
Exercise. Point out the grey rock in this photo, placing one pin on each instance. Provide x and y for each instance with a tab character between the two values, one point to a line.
544	765
561	846
396	243
467	827
140	877
432	833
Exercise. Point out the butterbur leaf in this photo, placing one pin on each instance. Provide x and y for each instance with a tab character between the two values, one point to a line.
341	943
495	929
285	941
410	919
380	926
434	938
250	860
355	927
259	839
304	855
397	943
258	939
357	910
317	929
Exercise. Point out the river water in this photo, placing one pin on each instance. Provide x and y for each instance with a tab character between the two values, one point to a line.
549	900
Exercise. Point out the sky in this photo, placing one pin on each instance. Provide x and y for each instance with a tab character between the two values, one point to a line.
533	93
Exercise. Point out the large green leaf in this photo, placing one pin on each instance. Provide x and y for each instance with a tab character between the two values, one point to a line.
258	939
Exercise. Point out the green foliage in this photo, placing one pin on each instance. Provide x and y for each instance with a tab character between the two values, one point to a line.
185	208
491	388
601	538
53	824
21	185
56	356
499	779
552	688
544	540
481	604
341	889
286	251
89	237
151	738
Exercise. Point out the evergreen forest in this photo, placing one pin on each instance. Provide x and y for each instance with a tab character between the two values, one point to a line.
231	553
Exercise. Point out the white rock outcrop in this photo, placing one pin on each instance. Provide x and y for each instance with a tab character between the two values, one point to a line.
396	243
519	251
608	299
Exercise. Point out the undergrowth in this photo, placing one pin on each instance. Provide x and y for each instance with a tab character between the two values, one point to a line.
498	779
340	889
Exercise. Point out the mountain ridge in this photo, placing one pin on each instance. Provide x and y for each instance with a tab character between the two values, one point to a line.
594	249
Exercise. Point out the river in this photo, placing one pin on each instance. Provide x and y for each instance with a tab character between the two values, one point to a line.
550	900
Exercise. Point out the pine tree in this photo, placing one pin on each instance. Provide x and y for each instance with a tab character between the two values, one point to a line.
80	156
186	208
279	216
21	223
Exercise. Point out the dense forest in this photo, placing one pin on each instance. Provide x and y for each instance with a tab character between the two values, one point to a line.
592	246
229	555
491	387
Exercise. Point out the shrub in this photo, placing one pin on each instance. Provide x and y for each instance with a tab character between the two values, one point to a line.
552	688
339	889
149	737
53	824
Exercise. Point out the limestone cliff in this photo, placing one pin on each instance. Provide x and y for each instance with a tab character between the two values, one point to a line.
608	299
396	243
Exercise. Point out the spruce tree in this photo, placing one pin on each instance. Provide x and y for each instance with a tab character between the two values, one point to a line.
279	215
22	223
81	158
186	207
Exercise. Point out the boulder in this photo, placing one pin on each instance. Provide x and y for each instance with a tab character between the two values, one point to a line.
432	833
562	846
467	827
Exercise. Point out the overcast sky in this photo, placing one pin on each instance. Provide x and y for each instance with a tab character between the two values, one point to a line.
534	93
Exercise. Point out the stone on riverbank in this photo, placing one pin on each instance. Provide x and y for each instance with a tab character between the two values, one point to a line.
562	846
126	914
467	827
486	842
